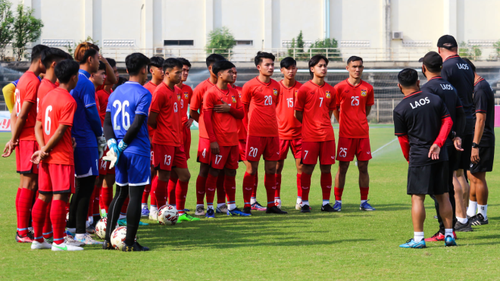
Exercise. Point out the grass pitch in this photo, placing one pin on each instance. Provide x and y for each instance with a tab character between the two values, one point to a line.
340	246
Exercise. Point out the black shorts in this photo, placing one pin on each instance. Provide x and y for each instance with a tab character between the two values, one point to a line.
486	155
430	179
465	155
453	157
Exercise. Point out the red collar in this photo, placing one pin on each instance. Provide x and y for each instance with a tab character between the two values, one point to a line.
412	94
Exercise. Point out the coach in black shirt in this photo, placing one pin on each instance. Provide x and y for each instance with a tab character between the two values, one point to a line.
422	123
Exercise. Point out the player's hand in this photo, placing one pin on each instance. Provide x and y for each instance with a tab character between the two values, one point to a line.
222	108
101	58
434	152
214	148
112	157
73	143
101	145
115	155
122	146
474	155
457	141
189	123
9	147
38	156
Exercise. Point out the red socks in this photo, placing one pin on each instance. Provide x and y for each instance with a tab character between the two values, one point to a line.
58	219
364	192
248	187
338	193
299	185
326	185
210	186
270	184
97	192
106	197
172	183
305	185
180	193
145	194
278	186
200	189
38	215
161	193
154	186
47	227
255	183
25	204
221	193
230	188
123	211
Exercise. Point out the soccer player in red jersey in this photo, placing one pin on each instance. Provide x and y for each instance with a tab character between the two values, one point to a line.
24	141
157	76
260	96
57	170
222	107
353	104
50	58
314	105
196	110
288	126
169	153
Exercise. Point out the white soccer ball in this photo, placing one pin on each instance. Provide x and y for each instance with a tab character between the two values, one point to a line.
100	228
168	214
118	237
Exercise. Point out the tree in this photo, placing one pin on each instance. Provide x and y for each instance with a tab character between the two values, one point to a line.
329	49
27	29
472	52
220	40
496	45
71	48
6	25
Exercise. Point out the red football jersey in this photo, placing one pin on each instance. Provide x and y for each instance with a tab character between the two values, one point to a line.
351	101
242	123
45	86
58	107
151	88
262	100
316	102
224	124
288	126
166	102
197	104
102	101
186	93
27	91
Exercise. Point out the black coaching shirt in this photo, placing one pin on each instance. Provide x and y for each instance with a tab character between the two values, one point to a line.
419	116
442	88
456	71
484	102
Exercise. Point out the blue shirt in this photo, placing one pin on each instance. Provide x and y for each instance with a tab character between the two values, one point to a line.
84	95
124	103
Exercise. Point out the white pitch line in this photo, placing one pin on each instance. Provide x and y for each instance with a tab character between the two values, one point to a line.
382	147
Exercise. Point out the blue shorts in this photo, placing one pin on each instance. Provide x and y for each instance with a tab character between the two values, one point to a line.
133	170
86	162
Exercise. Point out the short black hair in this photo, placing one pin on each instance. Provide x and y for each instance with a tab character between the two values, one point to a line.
88	53
221	66
213	58
354	58
156	62
433	62
472	66
135	62
287	62
314	61
50	55
111	62
408	77
184	62
171	63
263	55
66	69
36	52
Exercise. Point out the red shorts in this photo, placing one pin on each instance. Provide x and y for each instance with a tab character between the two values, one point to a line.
325	150
295	144
166	157
348	147
269	147
24	151
187	140
204	151
227	158
56	178
243	149
104	166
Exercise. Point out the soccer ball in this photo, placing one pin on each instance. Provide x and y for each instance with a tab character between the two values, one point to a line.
168	215
100	228
118	237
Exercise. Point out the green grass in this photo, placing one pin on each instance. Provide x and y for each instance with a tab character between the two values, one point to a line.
342	246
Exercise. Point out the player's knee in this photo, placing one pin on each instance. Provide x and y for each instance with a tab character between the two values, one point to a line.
184	176
214	172
230	172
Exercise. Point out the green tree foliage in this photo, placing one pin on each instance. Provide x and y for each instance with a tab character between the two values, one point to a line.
327	47
6	25
496	45
27	29
221	41
472	53
71	48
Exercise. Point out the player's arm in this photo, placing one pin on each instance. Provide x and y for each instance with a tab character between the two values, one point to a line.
195	105
481	105
336	113
17	128
110	73
152	119
109	133
405	146
368	110
370	102
401	131
155	109
237	112
93	118
298	111
336	110
446	124
8	95
141	113
208	112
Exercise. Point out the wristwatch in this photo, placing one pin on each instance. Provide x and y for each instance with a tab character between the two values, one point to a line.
475	145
